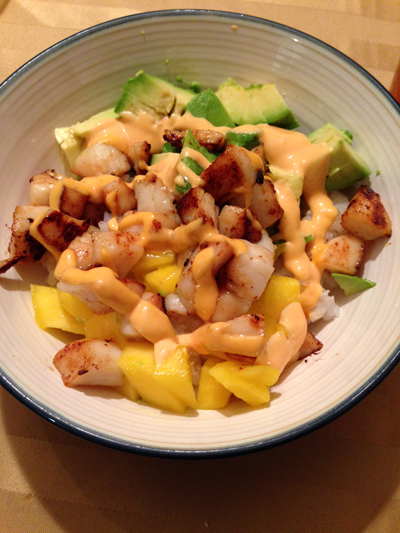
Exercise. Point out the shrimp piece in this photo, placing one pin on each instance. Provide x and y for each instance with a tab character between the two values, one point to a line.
197	203
242	339
126	327
243	280
186	287
234	172
87	295
152	196
118	250
174	305
229	306
177	313
23	248
240	279
89	362
100	159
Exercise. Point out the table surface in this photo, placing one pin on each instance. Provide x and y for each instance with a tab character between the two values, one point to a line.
343	478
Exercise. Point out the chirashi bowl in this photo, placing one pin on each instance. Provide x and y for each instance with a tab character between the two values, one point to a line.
83	75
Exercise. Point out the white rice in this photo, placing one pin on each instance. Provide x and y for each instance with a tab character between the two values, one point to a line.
326	308
341	202
103	224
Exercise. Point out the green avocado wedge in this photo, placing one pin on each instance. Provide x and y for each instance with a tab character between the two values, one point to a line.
352	284
207	105
346	166
244	140
257	104
157	97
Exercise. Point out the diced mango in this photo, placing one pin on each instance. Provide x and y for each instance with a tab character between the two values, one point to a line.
211	394
75	307
152	261
279	293
249	383
105	327
49	312
175	375
137	363
128	390
163	280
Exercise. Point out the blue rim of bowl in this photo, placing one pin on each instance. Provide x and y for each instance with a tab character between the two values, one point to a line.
240	449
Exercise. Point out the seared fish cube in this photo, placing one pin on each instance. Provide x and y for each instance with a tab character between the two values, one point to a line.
197	204
23	247
59	230
234	172
239	223
344	254
366	217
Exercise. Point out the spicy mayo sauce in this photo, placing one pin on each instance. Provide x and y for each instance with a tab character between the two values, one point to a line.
290	151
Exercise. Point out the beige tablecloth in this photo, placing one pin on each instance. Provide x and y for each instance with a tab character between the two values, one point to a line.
343	478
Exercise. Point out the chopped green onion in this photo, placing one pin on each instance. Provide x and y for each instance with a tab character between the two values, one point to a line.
168	148
348	133
183	190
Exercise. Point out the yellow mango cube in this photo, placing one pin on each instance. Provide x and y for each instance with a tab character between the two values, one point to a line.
137	363
105	327
74	306
278	294
211	394
249	383
163	280
152	261
49	312
175	375
128	390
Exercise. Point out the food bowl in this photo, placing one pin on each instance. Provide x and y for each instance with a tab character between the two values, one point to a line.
83	75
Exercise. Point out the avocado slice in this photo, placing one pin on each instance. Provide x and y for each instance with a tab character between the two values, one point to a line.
346	166
70	146
243	140
156	158
149	93
207	105
183	97
81	129
293	179
329	131
352	284
257	104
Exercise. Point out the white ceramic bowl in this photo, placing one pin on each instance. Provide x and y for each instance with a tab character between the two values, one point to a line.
84	75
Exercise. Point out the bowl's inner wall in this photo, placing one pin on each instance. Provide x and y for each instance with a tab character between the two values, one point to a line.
84	76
